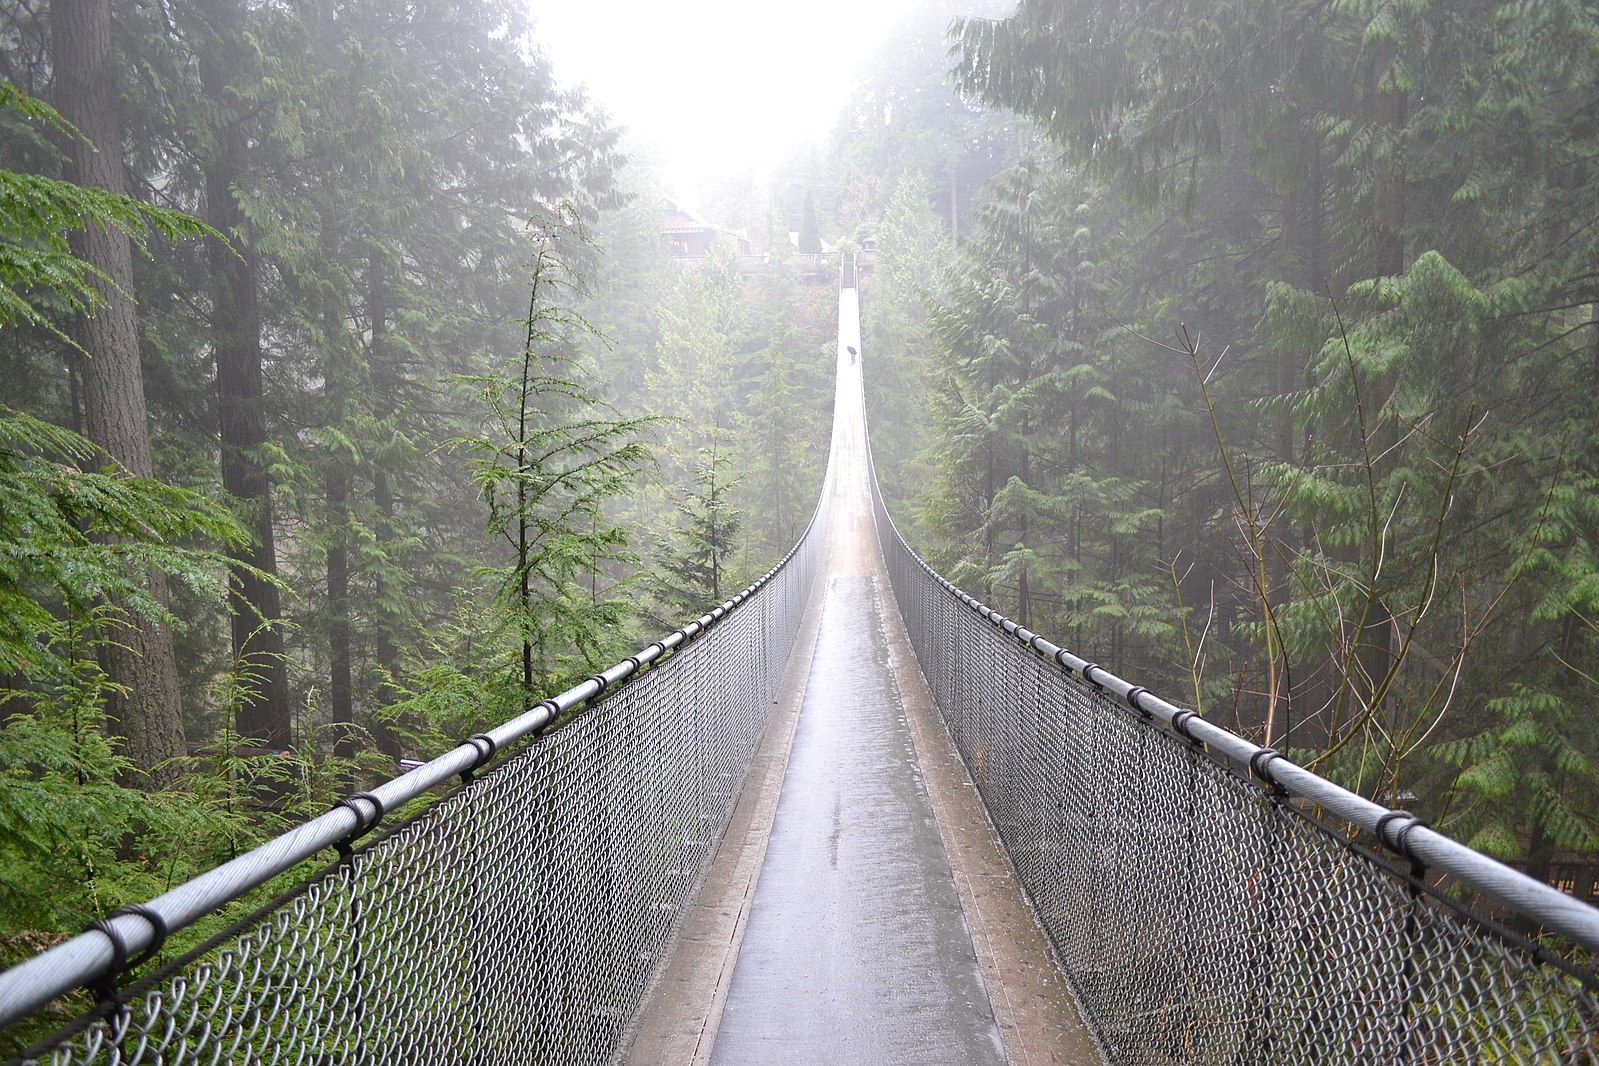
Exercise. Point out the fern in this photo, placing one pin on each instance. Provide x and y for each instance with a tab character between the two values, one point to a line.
40	277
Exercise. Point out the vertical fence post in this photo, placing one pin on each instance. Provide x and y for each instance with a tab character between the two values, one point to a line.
1409	1028
355	995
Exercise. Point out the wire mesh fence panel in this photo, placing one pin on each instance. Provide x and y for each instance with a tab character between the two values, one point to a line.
519	918
1202	916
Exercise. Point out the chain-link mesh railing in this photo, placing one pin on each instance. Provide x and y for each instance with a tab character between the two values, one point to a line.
1201	894
516	920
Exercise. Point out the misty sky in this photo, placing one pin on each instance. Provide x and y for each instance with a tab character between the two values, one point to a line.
721	86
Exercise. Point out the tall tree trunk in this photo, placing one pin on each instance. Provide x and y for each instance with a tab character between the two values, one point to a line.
337	389
1024	604
1389	110
341	694
141	658
386	651
388	656
236	328
954	206
523	519
1303	229
1388	199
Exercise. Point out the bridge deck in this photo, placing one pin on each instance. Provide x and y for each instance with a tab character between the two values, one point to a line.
859	909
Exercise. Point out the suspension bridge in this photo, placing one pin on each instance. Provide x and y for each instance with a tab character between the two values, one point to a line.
849	816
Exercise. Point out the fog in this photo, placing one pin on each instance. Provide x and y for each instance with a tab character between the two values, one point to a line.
716	87
1249	350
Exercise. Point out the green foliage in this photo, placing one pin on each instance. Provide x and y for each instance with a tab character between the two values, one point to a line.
40	277
810	233
547	461
1387	564
778	441
76	548
1040	502
740	362
692	379
912	254
390	155
1526	774
76	842
695	563
76	539
62	811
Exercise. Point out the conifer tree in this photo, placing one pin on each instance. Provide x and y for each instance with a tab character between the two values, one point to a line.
695	564
911	257
549	458
810	232
143	666
235	108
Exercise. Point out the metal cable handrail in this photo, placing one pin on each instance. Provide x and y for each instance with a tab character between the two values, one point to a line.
719	697
1200	906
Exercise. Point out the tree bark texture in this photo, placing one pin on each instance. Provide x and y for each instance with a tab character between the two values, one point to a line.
263	717
141	658
1389	108
341	693
388	656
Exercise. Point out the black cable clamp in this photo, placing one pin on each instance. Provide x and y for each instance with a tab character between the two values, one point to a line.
1397	845
1179	724
486	749
1382	825
1259	764
1087	670
554	709
158	927
1132	701
365	822
105	988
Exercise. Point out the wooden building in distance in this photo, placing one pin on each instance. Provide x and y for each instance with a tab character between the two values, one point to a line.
689	236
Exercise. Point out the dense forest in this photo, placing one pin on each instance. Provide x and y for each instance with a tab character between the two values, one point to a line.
1251	354
368	409
1265	372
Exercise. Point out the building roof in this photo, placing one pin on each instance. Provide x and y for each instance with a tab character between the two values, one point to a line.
680	219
